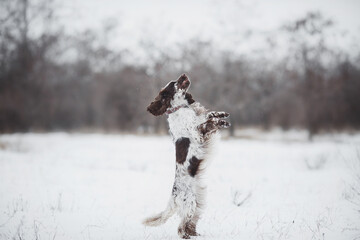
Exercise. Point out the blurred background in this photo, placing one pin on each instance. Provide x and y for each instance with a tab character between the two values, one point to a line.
81	158
96	65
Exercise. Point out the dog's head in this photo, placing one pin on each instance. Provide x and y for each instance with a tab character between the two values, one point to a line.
173	95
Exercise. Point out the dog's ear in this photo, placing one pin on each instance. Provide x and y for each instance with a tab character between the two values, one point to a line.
189	98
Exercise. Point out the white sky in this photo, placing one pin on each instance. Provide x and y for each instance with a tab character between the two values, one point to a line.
169	22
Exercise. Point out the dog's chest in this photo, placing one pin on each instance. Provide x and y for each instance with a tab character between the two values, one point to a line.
183	123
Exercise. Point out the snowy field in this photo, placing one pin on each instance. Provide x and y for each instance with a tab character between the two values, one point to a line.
100	186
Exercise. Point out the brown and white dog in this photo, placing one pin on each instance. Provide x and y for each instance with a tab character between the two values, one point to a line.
192	128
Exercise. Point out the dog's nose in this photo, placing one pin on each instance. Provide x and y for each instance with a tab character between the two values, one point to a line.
183	76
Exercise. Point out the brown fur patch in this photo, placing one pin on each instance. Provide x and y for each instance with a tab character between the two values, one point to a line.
182	148
162	101
194	166
189	98
190	229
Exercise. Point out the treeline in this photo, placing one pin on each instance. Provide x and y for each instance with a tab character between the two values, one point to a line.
50	80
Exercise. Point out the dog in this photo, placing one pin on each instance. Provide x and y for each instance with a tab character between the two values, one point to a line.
193	129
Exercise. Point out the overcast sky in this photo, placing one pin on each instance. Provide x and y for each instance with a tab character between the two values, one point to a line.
167	22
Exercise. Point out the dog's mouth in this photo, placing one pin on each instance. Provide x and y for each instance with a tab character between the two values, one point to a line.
183	82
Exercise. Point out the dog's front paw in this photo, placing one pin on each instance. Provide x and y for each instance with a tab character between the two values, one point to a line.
215	114
223	124
223	115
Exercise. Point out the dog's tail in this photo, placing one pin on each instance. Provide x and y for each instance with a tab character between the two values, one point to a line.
162	217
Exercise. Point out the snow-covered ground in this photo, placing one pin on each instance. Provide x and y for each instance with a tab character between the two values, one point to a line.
100	186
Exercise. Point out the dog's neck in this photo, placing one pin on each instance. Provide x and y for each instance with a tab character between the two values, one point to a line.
174	109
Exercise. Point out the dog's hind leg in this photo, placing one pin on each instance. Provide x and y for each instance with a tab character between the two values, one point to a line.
188	210
200	205
190	226
182	228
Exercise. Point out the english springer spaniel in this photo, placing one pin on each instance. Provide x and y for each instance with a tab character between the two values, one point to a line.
192	128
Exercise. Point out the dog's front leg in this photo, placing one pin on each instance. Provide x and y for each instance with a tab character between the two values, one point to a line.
206	129
211	126
214	114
